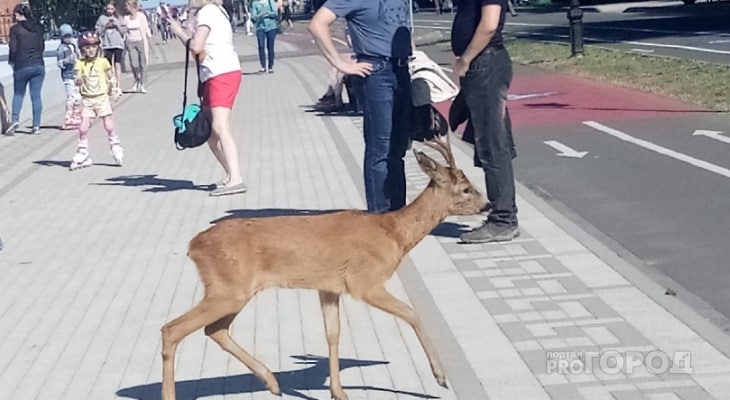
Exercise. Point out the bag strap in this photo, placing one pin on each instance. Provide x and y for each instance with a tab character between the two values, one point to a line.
187	67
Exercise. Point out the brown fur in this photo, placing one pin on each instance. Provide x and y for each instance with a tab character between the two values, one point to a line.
342	252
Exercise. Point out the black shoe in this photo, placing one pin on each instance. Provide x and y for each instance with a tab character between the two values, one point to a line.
11	129
491	232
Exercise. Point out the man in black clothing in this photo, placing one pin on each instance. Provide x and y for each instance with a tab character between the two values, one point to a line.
485	70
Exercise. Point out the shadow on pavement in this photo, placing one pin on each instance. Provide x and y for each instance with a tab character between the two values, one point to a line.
450	229
155	184
66	164
269	212
290	382
319	111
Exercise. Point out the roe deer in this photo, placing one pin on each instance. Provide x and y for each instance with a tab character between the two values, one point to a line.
342	252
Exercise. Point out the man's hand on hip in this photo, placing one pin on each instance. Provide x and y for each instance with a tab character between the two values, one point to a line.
348	66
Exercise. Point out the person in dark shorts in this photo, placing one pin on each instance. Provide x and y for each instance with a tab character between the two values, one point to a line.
112	31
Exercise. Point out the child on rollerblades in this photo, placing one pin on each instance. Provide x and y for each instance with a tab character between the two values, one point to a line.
95	78
67	55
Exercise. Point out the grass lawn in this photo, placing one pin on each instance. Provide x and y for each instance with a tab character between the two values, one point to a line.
696	82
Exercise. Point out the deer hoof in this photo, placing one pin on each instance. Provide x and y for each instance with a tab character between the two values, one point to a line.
273	385
339	395
441	380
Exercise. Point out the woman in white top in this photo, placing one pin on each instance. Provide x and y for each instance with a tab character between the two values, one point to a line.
137	43
220	75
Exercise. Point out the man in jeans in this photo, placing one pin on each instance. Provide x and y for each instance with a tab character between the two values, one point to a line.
381	42
485	71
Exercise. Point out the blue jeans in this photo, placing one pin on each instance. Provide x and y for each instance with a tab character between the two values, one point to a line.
32	76
266	42
385	96
485	89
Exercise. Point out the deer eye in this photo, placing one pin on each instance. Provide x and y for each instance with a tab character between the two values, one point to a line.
467	190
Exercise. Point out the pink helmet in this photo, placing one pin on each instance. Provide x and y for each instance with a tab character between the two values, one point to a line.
89	38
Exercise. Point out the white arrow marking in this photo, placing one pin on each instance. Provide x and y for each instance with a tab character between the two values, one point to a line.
659	149
717	135
530	95
565	151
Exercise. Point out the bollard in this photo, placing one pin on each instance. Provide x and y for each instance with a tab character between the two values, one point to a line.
575	17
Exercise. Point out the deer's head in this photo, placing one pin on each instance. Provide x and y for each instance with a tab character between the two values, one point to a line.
464	198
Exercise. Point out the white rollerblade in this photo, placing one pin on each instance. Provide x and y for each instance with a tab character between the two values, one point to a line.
117	151
81	159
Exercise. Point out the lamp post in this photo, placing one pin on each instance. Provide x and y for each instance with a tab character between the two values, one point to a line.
575	17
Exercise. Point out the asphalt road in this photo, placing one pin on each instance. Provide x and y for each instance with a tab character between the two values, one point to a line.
648	187
700	31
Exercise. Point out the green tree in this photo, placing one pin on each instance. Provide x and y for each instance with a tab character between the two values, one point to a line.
80	14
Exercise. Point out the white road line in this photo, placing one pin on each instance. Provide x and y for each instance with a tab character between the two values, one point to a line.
676	46
440	28
642	50
659	149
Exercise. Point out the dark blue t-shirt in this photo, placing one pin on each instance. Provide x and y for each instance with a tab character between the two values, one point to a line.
467	18
377	27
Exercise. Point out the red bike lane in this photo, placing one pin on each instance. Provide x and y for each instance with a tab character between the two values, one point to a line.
544	98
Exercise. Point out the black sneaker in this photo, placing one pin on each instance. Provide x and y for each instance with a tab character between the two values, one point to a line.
491	232
11	129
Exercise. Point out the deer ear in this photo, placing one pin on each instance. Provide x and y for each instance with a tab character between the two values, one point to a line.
433	169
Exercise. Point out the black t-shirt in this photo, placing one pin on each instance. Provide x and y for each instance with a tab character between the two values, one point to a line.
467	18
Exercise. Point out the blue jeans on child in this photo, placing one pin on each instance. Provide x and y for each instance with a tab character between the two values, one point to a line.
31	76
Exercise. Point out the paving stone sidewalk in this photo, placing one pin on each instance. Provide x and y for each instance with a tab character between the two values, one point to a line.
95	263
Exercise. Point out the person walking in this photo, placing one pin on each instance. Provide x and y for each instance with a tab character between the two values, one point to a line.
111	30
286	14
485	70
137	43
381	42
264	14
220	76
25	55
94	75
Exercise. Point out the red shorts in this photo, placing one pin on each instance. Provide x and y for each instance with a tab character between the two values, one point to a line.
221	90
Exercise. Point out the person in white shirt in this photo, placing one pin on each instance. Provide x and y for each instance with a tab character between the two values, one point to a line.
137	43
220	75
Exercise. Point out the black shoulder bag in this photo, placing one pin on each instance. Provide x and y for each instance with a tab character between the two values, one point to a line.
192	127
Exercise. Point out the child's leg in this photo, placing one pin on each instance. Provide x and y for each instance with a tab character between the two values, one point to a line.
84	127
114	144
81	158
109	126
70	87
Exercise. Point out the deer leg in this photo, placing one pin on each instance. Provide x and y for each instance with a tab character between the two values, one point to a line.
381	299
209	310
330	303
220	332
